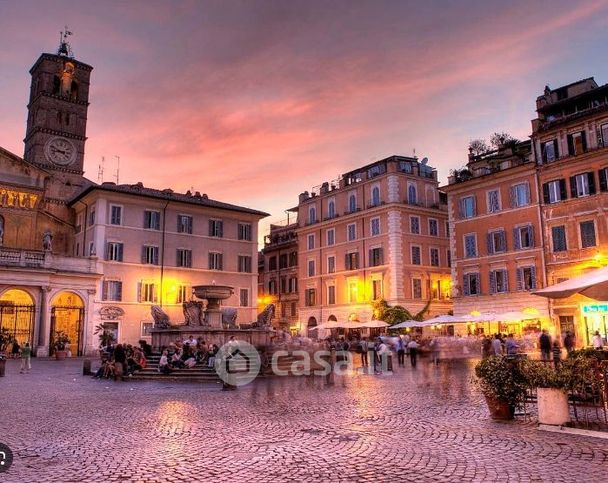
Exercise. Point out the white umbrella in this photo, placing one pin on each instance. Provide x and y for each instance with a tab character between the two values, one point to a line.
593	284
407	324
440	320
374	324
333	324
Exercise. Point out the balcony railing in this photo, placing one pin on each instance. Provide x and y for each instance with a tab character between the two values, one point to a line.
14	257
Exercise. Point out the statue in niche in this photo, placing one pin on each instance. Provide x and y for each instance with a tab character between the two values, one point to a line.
47	241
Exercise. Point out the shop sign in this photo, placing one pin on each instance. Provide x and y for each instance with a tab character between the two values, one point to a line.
599	308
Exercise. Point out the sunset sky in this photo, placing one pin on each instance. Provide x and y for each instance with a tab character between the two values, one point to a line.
253	102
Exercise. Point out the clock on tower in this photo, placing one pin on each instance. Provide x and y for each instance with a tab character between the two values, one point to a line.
57	111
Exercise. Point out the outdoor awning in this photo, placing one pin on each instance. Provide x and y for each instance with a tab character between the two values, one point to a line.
593	285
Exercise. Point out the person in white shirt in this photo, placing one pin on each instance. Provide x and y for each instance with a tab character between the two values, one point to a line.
497	345
192	342
597	341
163	364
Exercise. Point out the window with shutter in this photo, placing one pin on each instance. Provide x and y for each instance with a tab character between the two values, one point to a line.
519	278
470	246
591	182
492	282
587	234
558	235
516	238
603	175
490	243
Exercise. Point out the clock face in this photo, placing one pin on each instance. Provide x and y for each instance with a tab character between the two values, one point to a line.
60	151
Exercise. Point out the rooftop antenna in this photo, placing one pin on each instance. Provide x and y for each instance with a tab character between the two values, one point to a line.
64	46
117	175
100	170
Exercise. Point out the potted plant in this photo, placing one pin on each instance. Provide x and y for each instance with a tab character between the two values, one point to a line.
106	336
59	344
552	385
503	384
5	339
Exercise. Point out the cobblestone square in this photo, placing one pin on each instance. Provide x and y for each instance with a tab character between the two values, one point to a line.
428	424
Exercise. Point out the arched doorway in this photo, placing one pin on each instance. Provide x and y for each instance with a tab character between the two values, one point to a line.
17	311
67	315
312	322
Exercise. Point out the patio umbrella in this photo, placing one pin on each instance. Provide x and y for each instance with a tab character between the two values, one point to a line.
407	324
374	324
508	316
593	285
440	320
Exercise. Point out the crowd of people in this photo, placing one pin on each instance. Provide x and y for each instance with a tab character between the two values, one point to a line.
550	348
123	360
376	349
186	354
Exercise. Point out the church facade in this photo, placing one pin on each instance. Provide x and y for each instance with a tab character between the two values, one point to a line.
74	254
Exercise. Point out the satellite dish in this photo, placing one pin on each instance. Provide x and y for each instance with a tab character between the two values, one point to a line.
424	160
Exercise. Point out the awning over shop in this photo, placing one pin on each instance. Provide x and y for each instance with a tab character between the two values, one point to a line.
593	285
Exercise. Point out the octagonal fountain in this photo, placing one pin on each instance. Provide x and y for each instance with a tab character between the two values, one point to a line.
213	324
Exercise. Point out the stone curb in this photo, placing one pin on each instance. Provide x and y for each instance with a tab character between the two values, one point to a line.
579	432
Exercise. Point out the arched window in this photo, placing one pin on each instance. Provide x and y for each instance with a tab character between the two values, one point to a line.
312	214
332	318
331	209
352	203
56	85
376	195
411	194
74	90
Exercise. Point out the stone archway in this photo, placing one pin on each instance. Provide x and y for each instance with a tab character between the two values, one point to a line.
17	309
67	315
312	322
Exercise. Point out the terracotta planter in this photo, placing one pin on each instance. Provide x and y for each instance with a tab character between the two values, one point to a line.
552	406
499	409
60	355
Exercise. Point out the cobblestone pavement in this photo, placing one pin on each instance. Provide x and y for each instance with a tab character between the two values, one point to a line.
427	424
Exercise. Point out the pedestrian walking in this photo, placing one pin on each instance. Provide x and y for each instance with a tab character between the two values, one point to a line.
486	347
545	345
557	353
364	347
26	359
401	352
413	347
511	346
497	345
597	341
569	342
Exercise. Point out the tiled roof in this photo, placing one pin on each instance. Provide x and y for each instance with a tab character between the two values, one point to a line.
193	199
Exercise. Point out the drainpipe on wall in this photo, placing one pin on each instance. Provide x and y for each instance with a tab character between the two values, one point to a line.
162	253
541	221
84	228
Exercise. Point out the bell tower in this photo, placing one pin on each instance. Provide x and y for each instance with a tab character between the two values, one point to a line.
57	111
